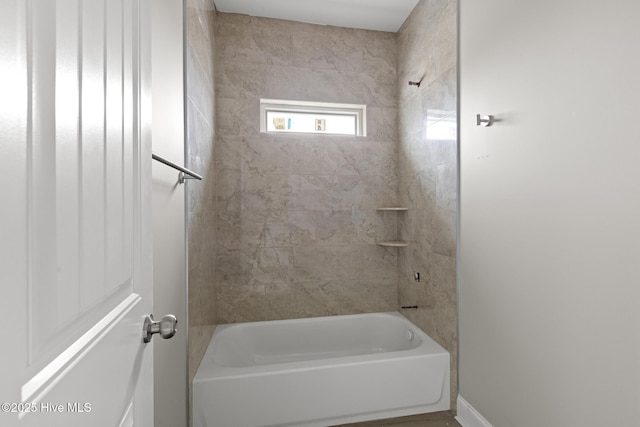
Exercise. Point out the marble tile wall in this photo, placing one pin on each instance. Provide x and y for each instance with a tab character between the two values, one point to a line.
285	226
200	156
295	215
428	171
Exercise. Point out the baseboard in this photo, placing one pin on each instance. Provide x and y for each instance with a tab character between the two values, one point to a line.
468	416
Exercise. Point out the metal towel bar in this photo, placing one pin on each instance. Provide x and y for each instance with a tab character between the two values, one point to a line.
184	172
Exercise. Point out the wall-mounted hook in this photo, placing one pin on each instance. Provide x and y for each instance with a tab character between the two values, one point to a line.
415	83
485	121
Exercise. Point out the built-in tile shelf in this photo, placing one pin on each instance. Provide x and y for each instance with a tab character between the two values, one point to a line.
393	243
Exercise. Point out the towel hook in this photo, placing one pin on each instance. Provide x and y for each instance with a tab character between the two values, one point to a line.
485	121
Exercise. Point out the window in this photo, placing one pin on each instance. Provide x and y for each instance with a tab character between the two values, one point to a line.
312	117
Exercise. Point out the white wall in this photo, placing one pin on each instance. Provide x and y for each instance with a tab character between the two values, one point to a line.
170	356
549	270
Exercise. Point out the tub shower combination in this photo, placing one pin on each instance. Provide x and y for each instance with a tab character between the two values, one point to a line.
319	371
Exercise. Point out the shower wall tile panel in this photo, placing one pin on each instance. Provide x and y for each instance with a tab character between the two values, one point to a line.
200	157
428	170
295	218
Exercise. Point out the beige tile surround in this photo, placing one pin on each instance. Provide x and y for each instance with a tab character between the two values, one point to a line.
296	223
428	171
200	103
285	226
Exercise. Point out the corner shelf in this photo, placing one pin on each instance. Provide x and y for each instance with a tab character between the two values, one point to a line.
393	243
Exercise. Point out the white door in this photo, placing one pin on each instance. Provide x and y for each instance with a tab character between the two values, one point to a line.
75	252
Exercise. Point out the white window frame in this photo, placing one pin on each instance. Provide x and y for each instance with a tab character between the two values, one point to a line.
281	105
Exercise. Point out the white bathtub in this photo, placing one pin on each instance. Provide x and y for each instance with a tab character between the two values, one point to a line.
319	371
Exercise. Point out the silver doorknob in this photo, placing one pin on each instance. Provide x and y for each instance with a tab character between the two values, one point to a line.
485	121
166	327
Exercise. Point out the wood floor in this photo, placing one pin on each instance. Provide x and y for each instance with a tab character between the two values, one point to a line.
437	419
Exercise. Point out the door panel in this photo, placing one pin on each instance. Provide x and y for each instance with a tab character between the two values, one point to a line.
76	139
67	148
